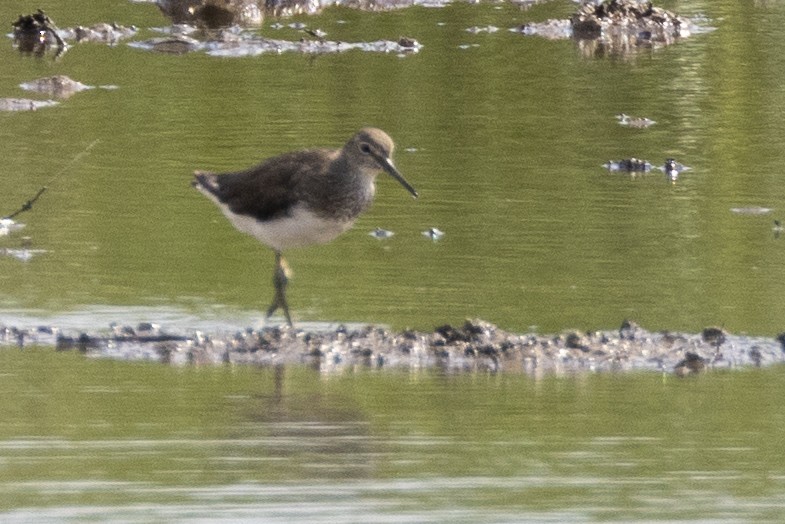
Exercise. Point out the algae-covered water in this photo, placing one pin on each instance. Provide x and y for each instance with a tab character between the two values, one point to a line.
105	440
504	137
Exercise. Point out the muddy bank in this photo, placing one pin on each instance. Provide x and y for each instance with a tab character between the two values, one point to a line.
617	27
474	346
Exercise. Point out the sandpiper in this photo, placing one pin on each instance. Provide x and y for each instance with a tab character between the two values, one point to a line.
304	197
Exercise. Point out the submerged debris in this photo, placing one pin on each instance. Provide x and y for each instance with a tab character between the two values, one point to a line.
213	13
381	233
433	233
474	346
59	86
24	104
627	18
777	228
629	165
102	33
550	29
692	364
225	13
482	29
634	121
616	27
673	169
176	45
35	33
240	43
23	254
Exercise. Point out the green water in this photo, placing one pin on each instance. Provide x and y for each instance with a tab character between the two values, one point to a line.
504	140
84	439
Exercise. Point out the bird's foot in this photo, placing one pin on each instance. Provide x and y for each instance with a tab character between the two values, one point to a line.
278	303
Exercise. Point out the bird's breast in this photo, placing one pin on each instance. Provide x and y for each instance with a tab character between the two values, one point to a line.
301	227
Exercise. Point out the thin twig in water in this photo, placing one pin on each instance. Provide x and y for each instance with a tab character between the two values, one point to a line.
29	204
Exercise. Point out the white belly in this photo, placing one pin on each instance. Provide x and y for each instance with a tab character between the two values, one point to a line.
302	228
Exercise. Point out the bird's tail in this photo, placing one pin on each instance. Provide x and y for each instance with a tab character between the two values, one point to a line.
205	181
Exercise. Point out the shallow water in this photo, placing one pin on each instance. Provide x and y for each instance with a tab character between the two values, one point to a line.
504	139
96	440
504	136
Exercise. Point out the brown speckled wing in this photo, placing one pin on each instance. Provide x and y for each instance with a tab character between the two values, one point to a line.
270	189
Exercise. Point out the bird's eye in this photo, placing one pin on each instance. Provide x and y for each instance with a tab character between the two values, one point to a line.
365	148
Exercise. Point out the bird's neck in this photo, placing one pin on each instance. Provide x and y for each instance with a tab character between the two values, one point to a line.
349	191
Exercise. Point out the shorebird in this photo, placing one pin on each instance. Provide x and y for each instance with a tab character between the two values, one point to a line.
304	197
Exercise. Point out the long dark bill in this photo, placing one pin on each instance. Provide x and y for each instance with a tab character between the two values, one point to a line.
388	166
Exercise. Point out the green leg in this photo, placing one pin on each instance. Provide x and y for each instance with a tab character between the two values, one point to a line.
279	281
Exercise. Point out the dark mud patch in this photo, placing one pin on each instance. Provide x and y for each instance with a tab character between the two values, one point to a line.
474	346
37	33
618	27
